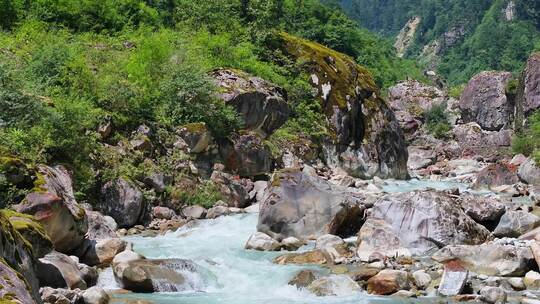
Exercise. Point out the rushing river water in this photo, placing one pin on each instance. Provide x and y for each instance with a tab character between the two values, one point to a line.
231	274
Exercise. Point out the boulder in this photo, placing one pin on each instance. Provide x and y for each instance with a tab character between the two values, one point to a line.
493	295
532	280
484	210
194	212
309	257
217	211
126	256
17	264
291	243
420	158
31	231
387	282
14	286
60	296
163	213
453	279
100	226
366	139
167	275
262	242
529	172
426	220
123	201
303	278
305	206
58	270
516	223
484	101
377	242
101	252
53	205
414	97
495	258
95	295
421	279
530	101
262	106
497	175
334	285
157	181
196	136
246	155
328	240
232	188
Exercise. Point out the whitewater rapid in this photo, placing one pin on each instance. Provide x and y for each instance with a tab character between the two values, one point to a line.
233	275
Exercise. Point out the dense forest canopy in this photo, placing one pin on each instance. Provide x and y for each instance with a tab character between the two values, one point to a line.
475	34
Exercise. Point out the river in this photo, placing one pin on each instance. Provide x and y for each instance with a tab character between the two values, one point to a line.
233	275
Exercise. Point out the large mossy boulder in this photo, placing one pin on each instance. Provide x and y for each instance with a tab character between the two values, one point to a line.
306	206
366	138
17	266
262	106
52	202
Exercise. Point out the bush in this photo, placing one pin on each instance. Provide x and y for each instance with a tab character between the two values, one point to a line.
436	121
205	194
528	141
456	91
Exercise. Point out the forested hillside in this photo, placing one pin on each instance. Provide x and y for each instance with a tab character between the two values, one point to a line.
66	66
460	37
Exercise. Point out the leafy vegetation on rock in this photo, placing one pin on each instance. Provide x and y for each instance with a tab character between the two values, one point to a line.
528	141
436	120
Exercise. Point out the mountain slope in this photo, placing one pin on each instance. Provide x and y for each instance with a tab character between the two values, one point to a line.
461	37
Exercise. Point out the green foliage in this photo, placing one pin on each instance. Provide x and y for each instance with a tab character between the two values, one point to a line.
528	141
436	120
205	194
456	91
484	39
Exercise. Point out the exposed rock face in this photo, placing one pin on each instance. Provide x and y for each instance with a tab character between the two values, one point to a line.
367	140
123	201
155	275
406	35
60	296
303	278
232	188
95	295
529	172
54	206
308	257
424	220
414	97
17	262
246	155
306	206
471	135
31	230
262	105
496	258
484	101
531	85
497	175
101	251
420	158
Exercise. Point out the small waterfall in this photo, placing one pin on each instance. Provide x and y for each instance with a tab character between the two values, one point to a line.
106	280
192	278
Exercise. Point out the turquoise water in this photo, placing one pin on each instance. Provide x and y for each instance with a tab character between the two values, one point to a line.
233	275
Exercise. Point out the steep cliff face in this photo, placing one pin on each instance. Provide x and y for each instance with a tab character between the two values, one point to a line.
366	139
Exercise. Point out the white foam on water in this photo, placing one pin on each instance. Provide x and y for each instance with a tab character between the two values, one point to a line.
233	275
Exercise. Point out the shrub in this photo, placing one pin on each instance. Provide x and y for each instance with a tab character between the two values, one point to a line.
205	194
528	141
456	91
436	120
